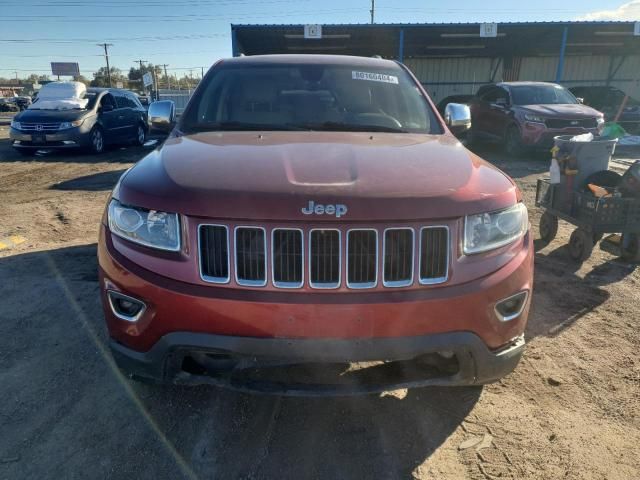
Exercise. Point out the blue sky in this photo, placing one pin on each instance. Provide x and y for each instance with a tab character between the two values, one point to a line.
193	33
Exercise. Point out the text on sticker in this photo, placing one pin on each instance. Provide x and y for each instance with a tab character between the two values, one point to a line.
374	77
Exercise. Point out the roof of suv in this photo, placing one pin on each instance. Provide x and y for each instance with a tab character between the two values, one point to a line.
314	60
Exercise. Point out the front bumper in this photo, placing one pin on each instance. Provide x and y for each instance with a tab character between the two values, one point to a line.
246	364
260	327
69	138
537	135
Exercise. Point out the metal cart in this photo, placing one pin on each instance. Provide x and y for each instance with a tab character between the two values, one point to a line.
594	216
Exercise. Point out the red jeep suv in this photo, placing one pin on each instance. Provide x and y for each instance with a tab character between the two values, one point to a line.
312	227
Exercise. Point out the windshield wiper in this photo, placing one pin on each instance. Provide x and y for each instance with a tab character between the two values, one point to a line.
348	127
239	127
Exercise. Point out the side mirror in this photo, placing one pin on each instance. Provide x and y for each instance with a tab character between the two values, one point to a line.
500	103
162	115
457	117
580	99
107	107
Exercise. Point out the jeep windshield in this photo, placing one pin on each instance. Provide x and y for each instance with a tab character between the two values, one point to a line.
309	97
541	95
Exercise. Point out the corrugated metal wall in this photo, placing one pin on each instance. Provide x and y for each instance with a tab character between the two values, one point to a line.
450	76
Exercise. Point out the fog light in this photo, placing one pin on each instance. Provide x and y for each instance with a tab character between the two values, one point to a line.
511	307
68	142
125	307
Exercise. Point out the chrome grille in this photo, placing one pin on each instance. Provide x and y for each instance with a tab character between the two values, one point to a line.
287	259
39	127
434	254
398	257
251	259
291	257
214	253
324	258
571	123
362	258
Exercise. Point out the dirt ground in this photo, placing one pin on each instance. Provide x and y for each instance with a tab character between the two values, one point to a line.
569	411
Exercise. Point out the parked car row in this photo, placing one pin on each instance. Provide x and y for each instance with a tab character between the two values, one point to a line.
102	116
523	115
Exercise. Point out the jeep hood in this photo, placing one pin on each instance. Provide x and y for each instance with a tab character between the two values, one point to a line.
273	175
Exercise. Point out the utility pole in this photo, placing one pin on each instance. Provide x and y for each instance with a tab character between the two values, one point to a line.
165	65
16	77
373	10
106	56
201	73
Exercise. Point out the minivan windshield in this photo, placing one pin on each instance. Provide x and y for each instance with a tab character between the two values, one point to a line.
309	97
541	95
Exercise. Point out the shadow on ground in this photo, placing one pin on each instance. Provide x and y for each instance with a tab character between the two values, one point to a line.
112	153
66	413
561	297
531	163
95	182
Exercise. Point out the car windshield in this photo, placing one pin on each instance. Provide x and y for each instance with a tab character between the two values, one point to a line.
541	95
310	97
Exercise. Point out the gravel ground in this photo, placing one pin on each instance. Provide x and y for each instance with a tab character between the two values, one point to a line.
570	410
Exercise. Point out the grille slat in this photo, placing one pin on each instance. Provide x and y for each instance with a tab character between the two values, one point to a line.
39	127
362	258
398	257
324	252
250	246
571	123
214	253
287	259
434	254
323	256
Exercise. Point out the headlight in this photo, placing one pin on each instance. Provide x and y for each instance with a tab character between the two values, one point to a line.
146	227
16	125
599	120
534	118
487	231
67	125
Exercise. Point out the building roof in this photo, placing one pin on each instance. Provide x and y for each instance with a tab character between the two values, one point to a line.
441	39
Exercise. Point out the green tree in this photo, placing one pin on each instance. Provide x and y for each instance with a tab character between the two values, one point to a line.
101	79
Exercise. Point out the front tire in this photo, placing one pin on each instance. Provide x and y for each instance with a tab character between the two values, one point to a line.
97	141
513	142
141	135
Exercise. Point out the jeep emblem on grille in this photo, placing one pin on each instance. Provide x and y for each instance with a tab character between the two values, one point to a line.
338	209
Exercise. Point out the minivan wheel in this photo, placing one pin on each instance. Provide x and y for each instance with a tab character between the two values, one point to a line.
513	142
97	140
141	135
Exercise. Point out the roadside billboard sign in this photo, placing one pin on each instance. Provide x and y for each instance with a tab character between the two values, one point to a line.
147	79
71	69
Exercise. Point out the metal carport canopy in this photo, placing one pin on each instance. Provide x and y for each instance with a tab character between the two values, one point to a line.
441	39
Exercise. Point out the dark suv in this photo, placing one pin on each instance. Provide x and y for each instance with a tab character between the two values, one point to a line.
529	114
110	116
609	100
